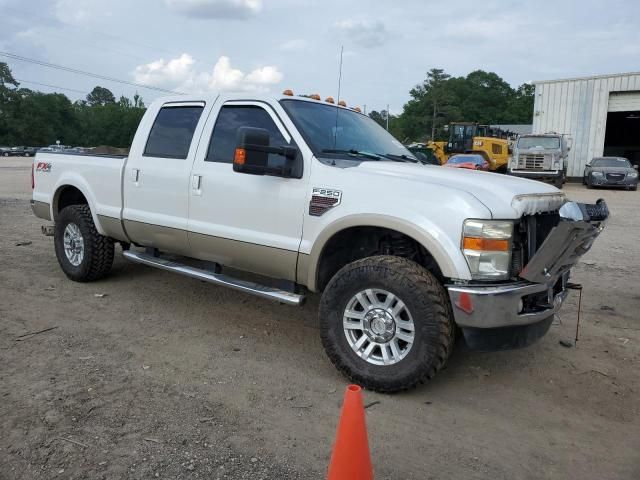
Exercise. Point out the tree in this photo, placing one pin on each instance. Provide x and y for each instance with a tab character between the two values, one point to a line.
29	117
6	77
100	96
481	97
379	117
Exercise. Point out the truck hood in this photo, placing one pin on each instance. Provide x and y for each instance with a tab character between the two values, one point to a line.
505	196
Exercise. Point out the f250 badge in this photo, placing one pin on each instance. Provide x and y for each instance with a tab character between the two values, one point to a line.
323	199
43	167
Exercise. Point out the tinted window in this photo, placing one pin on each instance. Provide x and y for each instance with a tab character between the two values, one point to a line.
172	132
223	140
328	128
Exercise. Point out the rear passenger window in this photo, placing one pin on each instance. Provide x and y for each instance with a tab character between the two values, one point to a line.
172	131
223	139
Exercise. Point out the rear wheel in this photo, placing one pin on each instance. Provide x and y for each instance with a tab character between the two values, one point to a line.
83	254
386	323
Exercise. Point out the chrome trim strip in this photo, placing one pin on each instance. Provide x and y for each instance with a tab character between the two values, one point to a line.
216	278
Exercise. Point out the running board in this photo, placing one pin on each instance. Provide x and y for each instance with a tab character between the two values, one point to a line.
216	278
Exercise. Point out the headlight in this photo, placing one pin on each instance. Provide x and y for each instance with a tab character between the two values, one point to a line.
596	174
632	175
486	244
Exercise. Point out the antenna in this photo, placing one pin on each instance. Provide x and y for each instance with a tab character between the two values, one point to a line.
335	131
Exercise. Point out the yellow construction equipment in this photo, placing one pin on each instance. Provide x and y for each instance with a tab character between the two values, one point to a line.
469	137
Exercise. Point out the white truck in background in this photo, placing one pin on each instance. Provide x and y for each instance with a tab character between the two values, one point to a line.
541	157
316	197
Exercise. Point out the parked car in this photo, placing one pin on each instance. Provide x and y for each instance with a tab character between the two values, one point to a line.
611	172
22	151
286	188
469	161
5	151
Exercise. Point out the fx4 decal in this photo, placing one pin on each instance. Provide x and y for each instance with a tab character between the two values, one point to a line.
43	167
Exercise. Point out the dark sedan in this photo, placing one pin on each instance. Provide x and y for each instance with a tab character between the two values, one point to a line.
611	172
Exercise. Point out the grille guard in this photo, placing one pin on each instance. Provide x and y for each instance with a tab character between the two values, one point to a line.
579	226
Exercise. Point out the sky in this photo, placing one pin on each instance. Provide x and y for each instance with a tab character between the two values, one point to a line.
265	46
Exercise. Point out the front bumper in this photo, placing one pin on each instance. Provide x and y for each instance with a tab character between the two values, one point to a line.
606	182
536	174
509	305
542	289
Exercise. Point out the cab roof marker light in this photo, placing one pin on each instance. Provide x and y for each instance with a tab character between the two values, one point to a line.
288	92
329	100
342	103
315	96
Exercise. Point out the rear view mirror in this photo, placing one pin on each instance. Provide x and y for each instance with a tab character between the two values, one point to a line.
252	153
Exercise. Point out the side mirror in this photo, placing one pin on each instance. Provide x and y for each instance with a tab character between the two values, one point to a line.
252	153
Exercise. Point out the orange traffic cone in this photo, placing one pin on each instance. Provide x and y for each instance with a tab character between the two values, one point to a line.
350	459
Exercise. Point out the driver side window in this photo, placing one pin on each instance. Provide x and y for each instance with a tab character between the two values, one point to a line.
231	117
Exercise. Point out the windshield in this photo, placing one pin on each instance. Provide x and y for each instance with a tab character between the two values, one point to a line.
539	142
465	159
333	130
610	162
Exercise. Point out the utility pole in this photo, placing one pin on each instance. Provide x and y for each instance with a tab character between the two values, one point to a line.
387	117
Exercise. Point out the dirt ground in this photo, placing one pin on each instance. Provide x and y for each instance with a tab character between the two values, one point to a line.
168	377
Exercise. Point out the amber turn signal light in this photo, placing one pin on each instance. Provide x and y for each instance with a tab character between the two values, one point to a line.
485	244
240	156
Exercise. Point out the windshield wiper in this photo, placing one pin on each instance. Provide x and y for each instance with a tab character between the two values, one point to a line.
400	158
372	156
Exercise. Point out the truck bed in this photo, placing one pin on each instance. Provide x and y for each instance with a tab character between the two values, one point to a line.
98	177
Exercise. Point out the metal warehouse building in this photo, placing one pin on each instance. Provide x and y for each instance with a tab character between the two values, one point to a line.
601	114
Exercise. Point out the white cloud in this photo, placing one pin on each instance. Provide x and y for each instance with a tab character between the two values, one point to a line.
182	75
364	33
229	9
295	45
160	73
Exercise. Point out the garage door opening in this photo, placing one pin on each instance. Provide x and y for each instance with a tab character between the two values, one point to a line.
622	135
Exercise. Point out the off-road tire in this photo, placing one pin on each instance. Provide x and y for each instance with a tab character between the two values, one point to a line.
98	249
425	298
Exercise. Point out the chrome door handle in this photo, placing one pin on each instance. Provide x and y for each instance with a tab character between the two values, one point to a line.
196	182
135	174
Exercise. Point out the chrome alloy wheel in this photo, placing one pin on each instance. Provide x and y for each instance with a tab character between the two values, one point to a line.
73	244
378	327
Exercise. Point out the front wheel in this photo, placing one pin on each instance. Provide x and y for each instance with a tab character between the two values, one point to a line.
558	182
386	323
83	254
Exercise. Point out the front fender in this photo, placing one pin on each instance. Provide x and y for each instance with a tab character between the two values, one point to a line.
441	246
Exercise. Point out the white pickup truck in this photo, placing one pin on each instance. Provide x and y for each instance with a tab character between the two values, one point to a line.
313	196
